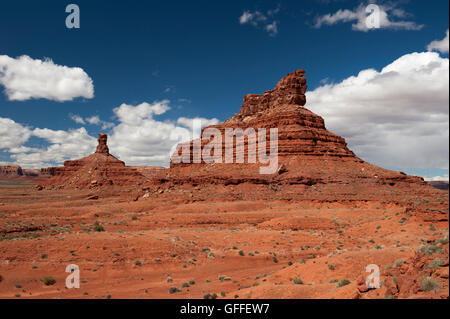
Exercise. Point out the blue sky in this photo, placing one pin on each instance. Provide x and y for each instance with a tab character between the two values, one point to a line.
199	56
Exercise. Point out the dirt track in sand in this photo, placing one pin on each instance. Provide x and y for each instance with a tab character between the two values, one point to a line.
236	249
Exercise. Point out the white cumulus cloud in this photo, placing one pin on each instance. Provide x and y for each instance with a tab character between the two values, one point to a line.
12	134
140	139
77	119
263	20
442	178
25	78
63	145
440	45
397	117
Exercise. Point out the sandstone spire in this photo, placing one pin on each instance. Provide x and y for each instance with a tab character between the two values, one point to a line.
96	170
102	147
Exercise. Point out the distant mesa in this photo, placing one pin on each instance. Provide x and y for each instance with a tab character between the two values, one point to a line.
11	171
443	185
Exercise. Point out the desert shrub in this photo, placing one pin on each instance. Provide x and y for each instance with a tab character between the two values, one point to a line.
399	262
173	290
333	281
210	296
430	249
298	281
343	282
49	281
436	263
241	253
443	240
185	285
429	284
98	227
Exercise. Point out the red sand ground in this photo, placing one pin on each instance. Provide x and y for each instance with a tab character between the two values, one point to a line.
179	235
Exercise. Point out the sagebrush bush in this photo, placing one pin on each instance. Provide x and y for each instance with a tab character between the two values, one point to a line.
429	284
49	281
343	282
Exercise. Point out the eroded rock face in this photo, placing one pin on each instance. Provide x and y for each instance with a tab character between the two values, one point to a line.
290	90
300	131
102	147
10	171
97	170
48	171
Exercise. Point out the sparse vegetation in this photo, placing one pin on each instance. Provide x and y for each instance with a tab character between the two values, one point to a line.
430	249
333	281
438	262
49	281
343	282
98	227
399	262
298	281
429	284
173	290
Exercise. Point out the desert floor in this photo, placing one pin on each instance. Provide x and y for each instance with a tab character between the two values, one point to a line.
236	249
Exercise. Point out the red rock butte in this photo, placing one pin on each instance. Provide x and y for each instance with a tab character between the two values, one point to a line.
313	163
96	170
